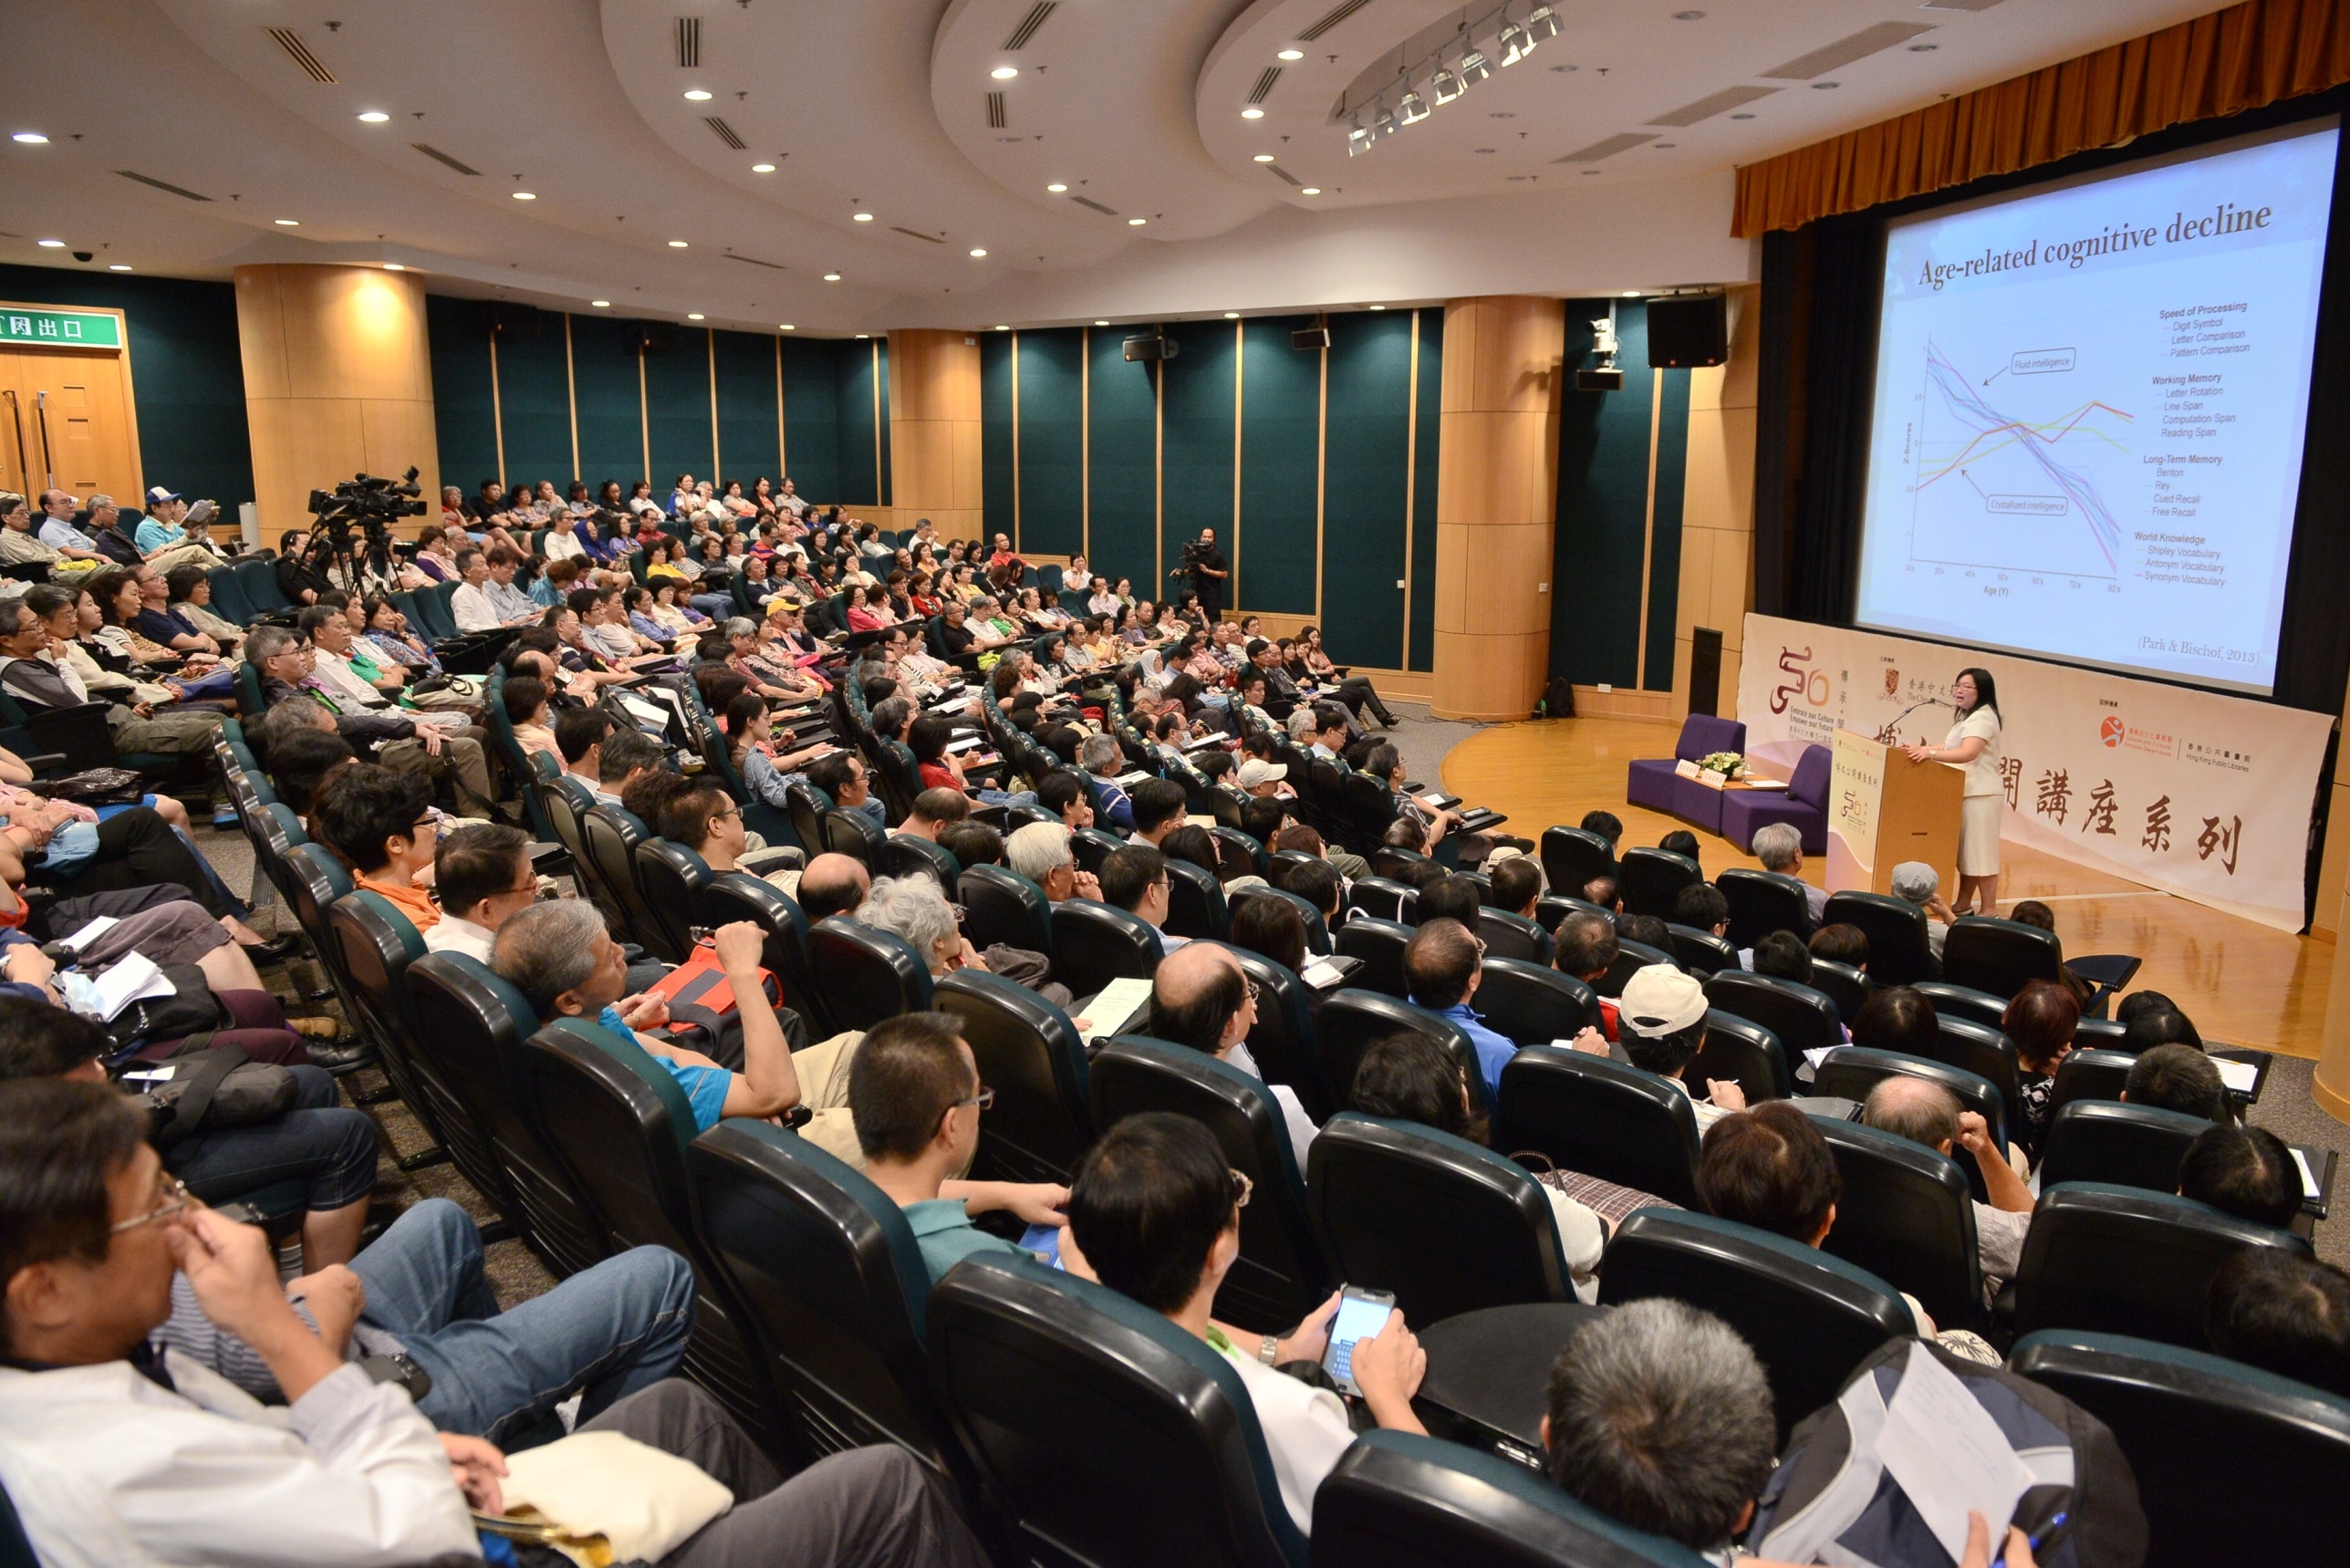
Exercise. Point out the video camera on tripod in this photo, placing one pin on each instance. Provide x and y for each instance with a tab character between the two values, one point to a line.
372	503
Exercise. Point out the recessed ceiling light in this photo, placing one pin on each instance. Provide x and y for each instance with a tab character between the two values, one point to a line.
977	253
697	95
1000	327
601	303
676	244
1290	55
763	168
1632	293
1378	308
693	315
860	217
1311	190
1262	158
864	335
1136	223
1595	171
1004	73
786	326
1057	188
1231	315
393	267
1923	48
524	195
50	244
117	266
1251	112
1688	16
1101	324
289	223
372	117
832	278
1823	86
1662	146
30	138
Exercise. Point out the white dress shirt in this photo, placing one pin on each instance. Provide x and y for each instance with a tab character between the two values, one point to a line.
108	1470
452	935
1306	1430
471	608
335	673
1293	1110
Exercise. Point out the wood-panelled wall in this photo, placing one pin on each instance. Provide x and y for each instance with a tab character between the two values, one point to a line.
934	430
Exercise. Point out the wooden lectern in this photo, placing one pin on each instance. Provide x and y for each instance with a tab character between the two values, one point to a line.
1883	809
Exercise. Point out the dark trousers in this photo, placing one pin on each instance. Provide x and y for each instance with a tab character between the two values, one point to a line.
137	848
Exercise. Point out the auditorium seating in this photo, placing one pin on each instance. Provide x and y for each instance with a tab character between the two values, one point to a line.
1571	858
1650	879
1282	1041
1531	1004
2121	1260
2117	1144
1599	1117
1028	1051
1801	1018
1762	902
1095	943
1898	951
1378	946
1350	1020
1906	1216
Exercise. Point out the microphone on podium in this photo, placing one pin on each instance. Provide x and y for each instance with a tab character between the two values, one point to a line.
1890	734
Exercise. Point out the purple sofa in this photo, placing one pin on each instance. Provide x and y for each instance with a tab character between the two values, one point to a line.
1655	784
1804	804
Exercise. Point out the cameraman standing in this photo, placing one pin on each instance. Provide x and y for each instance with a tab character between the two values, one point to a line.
1209	569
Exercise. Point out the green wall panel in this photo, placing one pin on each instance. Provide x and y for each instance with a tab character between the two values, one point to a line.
1196	464
604	383
1366	486
462	418
1665	548
1602	491
996	465
812	418
746	407
1423	502
1281	438
861	433
1051	441
534	398
1123	477
881	360
186	374
676	410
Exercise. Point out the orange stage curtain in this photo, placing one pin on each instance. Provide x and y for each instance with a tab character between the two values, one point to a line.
2242	58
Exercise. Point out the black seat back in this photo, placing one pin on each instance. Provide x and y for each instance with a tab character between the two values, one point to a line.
1002	906
1195	902
1962	1002
1700	952
1317	930
1907	1217
732	896
1379	944
1898	951
1095	943
1385	900
1803	1018
1099	1427
1446	1225
1810	1316
1090	847
2120	1145
1029	1053
865	975
2121	1260
2197	1427
1600	1117
2089	1074
1981	1049
373	945
1651	880
1630	957
2000	956
612	835
849	832
1282	1041
1843	984
1350	1020
1282	1274
1571	857
672	878
1762	902
1742	1049
1398	1500
1512	936
1851	1071
1532	1004
907	854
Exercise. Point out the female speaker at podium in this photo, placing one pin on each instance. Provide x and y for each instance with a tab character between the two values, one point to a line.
1974	744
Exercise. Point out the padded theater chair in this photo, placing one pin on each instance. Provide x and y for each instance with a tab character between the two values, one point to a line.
1448	1226
2232	1464
1380	898
1599	1117
1742	1050
1702	953
1656	785
853	834
1898	951
2000	956
1571	858
1650	879
1103	1433
1284	1040
1803	802
1810	1316
1512	936
1802	1019
1849	1072
1095	943
1762	902
1964	1002
1029	1053
2117	1144
1195	902
1350	1020
2121	1260
904	855
1281	1274
1532	1004
1317	930
1907	1217
1981	1049
672	879
1398	1500
1630	957
1380	945
372	944
1843	985
733	896
2090	1074
612	835
865	975
1003	905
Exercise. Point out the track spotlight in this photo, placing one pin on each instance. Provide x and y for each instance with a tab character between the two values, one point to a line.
1413	108
1514	43
1542	22
1475	68
1446	85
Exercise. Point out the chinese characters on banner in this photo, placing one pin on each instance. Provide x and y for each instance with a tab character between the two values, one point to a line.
2200	794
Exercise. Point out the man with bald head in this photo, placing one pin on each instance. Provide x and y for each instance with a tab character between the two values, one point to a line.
833	885
1925	1112
1202	997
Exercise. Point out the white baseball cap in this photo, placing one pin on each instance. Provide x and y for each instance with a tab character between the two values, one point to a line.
1660	999
1257	771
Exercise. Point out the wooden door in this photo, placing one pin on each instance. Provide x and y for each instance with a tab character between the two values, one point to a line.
78	430
16	450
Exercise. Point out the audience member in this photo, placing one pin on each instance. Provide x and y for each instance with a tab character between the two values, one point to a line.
2244	1171
1915	882
837	883
1660	1021
482	874
1926	1113
1584	947
1157	807
1134	879
2286	1315
1272	929
1517	883
1843	944
1201	997
1897	1019
1780	846
934	812
2177	1078
383	825
1040	852
2041	1021
1453	897
1441	966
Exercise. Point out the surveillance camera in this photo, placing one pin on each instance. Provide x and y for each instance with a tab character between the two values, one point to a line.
85	255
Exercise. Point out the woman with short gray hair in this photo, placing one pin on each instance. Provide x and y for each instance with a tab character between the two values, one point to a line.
914	908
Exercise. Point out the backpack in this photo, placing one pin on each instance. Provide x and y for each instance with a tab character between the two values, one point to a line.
1831	1500
1558	699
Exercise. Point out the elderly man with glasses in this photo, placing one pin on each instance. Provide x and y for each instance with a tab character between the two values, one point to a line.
1201	997
1444	967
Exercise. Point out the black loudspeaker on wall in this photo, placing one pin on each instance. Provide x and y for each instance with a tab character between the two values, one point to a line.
1705	671
1688	330
656	337
513	322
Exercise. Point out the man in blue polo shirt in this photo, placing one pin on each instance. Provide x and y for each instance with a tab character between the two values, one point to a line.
1440	966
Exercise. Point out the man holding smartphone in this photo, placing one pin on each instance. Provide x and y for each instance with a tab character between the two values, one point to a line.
1154	1214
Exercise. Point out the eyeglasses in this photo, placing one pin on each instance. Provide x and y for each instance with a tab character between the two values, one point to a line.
984	1098
1242	1187
172	1199
1254	991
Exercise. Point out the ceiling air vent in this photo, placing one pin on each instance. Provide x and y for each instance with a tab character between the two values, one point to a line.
1707	107
442	159
1038	14
1958	5
1844	51
689	43
1096	206
755	261
291	42
916	234
1609	148
724	132
162	184
1263	88
1332	20
995	120
1276	168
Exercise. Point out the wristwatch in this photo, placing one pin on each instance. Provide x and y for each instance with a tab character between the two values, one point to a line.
1269	1351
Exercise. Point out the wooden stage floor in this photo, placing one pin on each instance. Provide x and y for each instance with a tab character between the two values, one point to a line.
2241	982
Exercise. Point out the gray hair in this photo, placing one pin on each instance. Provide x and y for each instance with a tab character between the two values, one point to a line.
914	907
1919	1109
264	643
739	625
1778	845
1098	754
548	949
1039	850
102	499
1661	1418
1915	881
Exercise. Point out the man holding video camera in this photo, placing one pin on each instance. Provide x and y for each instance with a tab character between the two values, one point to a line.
1208	568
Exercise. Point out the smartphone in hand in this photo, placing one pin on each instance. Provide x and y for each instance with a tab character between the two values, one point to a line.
1361	1314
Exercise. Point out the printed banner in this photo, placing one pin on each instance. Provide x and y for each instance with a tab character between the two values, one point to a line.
2196	793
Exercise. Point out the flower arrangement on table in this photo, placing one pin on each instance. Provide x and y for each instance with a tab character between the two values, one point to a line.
1729	764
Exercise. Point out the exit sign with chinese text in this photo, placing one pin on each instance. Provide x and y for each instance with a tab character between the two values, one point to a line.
59	328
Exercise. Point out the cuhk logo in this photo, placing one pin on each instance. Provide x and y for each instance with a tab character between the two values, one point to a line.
2112	731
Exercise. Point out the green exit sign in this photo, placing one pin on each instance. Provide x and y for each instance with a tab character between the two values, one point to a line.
60	328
